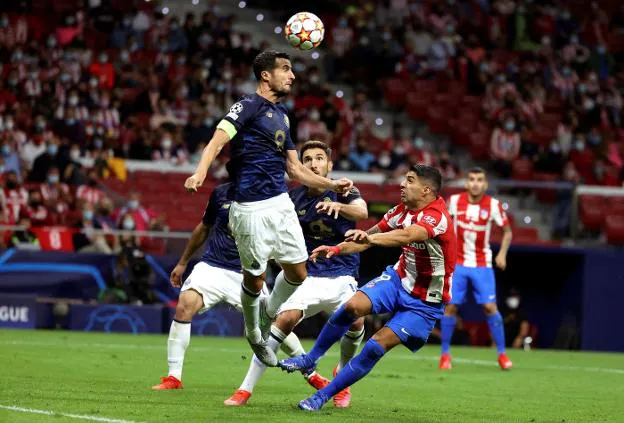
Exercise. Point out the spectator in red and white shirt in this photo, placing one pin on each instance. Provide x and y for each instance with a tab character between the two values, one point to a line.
144	219
56	195
505	147
89	192
15	196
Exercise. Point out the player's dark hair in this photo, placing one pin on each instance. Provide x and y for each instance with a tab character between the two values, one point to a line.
266	61
430	175
309	145
477	170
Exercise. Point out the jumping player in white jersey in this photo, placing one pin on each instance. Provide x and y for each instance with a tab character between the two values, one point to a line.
325	217
216	278
473	212
263	220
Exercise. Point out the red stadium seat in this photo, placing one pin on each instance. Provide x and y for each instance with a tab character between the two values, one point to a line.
525	235
591	212
438	120
522	170
417	104
543	194
614	228
394	93
479	145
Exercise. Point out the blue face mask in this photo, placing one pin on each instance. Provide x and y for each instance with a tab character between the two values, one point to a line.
128	224
133	204
53	179
566	72
87	214
582	88
290	104
52	149
6	150
510	126
70	121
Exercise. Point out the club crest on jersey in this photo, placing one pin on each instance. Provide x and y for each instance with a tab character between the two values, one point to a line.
430	220
287	121
269	115
484	214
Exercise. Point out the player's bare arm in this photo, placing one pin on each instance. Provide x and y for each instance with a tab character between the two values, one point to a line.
374	230
399	237
297	171
501	257
354	211
198	237
211	151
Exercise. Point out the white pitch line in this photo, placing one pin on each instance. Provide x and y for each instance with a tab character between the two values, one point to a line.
70	415
486	363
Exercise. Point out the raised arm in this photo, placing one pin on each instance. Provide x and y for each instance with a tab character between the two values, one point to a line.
297	171
211	151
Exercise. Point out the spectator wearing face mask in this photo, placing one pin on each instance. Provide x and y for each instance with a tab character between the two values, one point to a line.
582	157
107	116
312	127
565	81
143	219
38	213
170	151
517	327
71	128
505	147
84	240
104	71
43	163
56	195
127	241
550	160
11	133
9	161
15	196
602	62
361	158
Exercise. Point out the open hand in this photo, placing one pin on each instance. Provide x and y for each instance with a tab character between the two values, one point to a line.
343	186
329	207
324	251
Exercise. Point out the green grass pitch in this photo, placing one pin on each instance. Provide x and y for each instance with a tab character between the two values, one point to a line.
109	375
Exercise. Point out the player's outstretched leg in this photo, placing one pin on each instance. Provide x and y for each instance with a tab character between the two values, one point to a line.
447	325
289	344
348	347
497	329
338	324
251	290
358	367
179	338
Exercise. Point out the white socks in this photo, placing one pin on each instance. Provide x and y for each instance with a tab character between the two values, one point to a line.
290	345
251	309
178	342
282	290
349	345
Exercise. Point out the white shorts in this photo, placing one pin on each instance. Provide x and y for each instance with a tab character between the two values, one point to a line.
320	294
265	230
216	285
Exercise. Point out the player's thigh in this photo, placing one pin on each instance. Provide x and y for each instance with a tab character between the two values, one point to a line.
231	288
335	292
459	285
484	285
254	238
208	281
382	292
386	338
290	246
414	325
306	298
189	303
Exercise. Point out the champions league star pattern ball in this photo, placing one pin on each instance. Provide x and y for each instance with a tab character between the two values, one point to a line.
304	31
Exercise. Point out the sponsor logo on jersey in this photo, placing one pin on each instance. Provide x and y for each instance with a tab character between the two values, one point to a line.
301	212
430	220
226	206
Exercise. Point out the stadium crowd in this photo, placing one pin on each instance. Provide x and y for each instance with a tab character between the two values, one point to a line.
116	80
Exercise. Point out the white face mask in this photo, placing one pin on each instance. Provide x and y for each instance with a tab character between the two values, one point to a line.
512	302
166	143
74	154
385	160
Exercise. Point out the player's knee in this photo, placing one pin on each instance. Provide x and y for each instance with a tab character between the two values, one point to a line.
490	308
296	273
253	283
353	309
184	311
358	325
450	310
287	320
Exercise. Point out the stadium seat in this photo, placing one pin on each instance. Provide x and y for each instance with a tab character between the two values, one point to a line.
394	92
522	170
547	195
591	212
479	145
614	228
416	104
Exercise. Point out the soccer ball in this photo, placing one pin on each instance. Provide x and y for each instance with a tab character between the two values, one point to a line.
304	31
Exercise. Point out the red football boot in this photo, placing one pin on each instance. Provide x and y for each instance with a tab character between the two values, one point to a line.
169	382
504	362
238	399
343	398
445	362
317	381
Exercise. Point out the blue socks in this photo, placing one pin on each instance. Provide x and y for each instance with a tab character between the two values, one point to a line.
355	370
497	329
335	328
447	325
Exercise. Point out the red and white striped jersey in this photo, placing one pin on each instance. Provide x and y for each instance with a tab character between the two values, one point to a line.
89	194
425	268
16	200
473	225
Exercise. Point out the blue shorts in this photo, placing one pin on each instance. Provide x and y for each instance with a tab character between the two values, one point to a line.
480	278
412	319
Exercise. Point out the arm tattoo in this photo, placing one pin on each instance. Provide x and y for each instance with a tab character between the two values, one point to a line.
374	230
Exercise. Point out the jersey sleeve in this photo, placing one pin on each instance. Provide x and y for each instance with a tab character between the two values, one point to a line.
498	214
391	218
239	115
353	195
434	222
212	208
288	142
